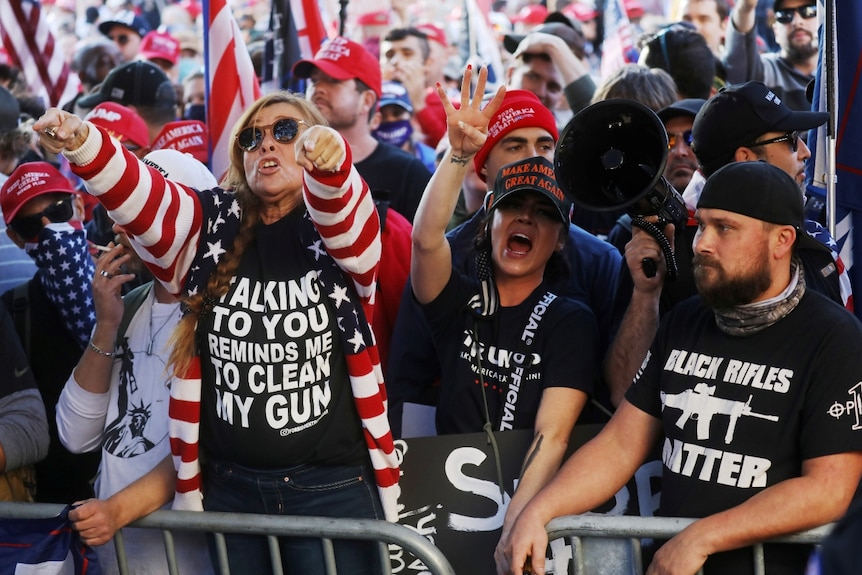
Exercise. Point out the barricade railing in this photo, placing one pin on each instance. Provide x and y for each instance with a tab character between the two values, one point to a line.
628	531
271	526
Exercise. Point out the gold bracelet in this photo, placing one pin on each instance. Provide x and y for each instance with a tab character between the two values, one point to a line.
95	348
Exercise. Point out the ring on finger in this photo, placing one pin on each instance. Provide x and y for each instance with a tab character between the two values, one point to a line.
105	274
51	131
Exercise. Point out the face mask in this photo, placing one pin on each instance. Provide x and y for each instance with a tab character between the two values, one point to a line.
187	66
195	112
395	133
67	270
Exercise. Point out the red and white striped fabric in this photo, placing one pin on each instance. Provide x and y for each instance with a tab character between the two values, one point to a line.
309	26
165	221
232	84
618	42
27	39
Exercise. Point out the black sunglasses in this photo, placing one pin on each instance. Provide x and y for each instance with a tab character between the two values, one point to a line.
28	227
284	131
791	137
121	39
785	15
672	138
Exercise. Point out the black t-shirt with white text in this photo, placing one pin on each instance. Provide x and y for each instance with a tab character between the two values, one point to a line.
741	414
275	387
562	352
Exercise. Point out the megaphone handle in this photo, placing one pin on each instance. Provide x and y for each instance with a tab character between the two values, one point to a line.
649	266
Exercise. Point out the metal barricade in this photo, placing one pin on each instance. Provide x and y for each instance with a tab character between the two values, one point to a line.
627	533
271	526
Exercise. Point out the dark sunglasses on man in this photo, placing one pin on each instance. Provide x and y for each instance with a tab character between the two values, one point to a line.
28	227
284	131
674	137
785	15
791	138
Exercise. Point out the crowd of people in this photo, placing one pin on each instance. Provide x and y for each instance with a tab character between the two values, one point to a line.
409	229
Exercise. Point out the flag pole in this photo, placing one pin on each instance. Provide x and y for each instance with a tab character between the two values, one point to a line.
829	25
207	75
342	16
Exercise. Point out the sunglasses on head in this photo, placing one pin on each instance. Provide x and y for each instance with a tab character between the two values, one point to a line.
790	137
284	131
673	138
785	15
28	227
121	39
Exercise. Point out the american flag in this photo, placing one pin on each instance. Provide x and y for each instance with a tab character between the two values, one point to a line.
66	275
478	45
619	41
834	171
232	84
296	32
27	38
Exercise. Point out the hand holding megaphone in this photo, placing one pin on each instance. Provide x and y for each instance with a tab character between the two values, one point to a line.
646	254
611	155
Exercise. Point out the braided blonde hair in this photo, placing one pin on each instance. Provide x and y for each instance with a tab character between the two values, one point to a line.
183	339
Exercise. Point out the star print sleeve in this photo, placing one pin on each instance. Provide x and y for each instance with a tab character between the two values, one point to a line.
342	209
162	217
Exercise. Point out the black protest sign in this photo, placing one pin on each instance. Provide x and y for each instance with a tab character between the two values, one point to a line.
450	494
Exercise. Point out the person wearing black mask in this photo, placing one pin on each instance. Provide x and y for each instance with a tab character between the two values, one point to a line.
194	97
395	127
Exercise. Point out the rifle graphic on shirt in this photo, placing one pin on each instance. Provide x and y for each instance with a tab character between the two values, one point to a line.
701	405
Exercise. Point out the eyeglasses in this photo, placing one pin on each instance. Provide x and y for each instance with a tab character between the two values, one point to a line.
123	39
673	138
791	137
785	15
28	227
284	131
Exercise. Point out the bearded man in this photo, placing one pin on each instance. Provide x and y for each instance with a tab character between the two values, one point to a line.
737	389
786	72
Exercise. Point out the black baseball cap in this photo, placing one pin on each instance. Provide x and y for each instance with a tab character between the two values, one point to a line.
776	5
530	175
136	83
573	38
688	107
10	111
739	114
761	191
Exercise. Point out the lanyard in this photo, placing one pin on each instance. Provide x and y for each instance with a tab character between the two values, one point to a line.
522	360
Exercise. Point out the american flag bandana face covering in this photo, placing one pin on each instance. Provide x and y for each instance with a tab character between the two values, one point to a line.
67	268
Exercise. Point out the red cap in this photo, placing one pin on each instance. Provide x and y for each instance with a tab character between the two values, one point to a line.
193	7
187	136
28	181
378	18
520	109
634	9
434	32
121	122
343	59
160	45
580	12
531	14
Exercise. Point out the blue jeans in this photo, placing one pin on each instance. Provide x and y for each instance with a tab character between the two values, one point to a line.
309	490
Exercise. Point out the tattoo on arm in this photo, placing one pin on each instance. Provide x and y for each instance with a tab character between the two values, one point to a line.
531	455
460	160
